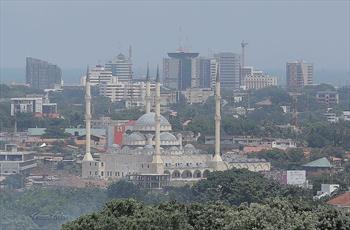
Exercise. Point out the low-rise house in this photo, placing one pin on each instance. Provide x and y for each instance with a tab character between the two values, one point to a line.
283	144
341	202
289	177
319	166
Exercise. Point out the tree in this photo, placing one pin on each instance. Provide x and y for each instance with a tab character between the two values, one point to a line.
14	181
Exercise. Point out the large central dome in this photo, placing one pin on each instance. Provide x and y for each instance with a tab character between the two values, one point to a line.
147	123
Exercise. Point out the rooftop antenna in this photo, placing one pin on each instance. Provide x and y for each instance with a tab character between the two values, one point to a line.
243	45
180	48
130	52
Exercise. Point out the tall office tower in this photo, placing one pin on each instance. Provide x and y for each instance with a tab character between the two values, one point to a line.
171	72
182	66
120	67
299	74
201	73
229	69
42	75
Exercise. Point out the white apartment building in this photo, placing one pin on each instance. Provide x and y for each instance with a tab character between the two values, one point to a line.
98	75
197	95
26	105
125	91
255	79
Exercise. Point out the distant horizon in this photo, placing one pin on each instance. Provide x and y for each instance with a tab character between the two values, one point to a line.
72	75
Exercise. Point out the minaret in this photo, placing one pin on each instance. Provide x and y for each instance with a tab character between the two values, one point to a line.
157	162
217	162
148	92
87	156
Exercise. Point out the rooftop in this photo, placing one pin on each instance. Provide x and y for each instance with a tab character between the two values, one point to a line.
319	163
342	200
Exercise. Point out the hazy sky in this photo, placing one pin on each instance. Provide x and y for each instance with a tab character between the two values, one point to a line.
73	34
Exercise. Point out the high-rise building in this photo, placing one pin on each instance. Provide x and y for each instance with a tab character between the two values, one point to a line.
42	75
171	72
229	69
299	74
120	67
177	70
201	73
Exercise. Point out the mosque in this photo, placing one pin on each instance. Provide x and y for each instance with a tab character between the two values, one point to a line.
150	151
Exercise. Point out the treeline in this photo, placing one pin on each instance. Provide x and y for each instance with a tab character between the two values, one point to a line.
272	214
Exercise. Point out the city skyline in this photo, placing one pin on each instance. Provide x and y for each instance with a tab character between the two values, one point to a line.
325	40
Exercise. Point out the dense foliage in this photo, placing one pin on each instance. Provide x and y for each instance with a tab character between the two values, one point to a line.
272	214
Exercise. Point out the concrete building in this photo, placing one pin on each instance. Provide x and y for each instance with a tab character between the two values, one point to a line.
299	74
346	115
99	75
326	190
229	69
177	70
42	75
39	105
254	79
328	97
132	92
283	144
331	117
197	95
121	67
171	72
16	162
201	77
289	177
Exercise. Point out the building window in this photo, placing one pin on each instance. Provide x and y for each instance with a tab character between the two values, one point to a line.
95	163
90	163
102	164
102	173
90	173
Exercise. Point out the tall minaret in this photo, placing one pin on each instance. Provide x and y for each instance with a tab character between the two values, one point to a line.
217	155
217	162
148	92
87	156
157	162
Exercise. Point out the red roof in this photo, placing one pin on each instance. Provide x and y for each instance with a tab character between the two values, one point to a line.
342	200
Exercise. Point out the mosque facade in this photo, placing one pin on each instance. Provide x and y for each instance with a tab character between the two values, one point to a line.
150	148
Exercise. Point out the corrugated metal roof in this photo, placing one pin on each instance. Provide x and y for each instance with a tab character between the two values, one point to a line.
319	163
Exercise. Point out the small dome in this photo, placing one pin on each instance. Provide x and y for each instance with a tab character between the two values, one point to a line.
147	123
135	137
189	146
173	148
167	137
149	147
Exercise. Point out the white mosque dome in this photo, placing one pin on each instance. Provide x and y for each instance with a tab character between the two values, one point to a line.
165	136
147	123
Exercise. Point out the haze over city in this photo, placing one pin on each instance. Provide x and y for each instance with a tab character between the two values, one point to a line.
174	114
74	34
